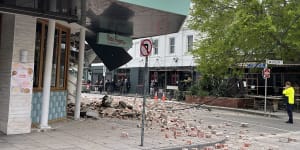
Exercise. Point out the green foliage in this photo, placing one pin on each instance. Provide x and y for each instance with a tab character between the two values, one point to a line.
239	31
196	89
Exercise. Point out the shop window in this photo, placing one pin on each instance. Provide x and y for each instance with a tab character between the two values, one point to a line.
37	55
60	56
63	60
54	59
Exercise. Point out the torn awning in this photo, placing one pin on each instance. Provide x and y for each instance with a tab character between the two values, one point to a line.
130	18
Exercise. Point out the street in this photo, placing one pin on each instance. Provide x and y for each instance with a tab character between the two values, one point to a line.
172	125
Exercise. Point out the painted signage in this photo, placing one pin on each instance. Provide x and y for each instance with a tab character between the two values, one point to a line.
114	40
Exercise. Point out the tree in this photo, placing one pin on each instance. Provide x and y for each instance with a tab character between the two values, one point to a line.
238	31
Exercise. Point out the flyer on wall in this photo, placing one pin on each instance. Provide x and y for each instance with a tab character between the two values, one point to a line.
22	78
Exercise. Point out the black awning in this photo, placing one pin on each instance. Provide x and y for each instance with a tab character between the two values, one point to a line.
124	19
112	57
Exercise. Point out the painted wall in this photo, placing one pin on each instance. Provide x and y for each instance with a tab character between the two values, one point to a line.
17	34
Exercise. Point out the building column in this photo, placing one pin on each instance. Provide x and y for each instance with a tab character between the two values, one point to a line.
79	74
47	75
16	72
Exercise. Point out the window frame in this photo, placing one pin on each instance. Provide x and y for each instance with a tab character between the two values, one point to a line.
172	46
155	46
190	44
42	49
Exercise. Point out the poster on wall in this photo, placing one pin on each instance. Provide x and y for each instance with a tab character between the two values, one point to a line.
21	78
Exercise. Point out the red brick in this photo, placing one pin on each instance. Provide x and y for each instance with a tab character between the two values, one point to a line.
189	142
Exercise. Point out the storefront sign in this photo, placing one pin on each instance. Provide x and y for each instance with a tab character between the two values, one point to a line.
114	40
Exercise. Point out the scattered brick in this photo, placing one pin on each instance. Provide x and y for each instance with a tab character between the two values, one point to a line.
246	144
208	135
124	135
189	142
244	125
219	133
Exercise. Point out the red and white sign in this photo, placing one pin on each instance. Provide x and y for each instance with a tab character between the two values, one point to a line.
266	72
146	47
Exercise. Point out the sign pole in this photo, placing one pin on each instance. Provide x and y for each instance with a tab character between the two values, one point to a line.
144	99
266	84
146	48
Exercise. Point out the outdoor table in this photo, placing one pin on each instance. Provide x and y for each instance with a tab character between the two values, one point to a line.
273	99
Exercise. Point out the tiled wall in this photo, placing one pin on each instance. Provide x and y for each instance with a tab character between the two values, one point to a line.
57	106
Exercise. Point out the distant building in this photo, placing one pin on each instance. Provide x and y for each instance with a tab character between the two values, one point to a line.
170	62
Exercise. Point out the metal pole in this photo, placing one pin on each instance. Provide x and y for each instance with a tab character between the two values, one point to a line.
144	99
266	84
103	74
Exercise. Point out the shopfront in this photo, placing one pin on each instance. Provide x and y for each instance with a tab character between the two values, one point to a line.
58	96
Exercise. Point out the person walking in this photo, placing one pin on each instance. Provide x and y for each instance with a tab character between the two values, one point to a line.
289	94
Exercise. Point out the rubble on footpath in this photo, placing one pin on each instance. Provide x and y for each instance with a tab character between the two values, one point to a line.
174	121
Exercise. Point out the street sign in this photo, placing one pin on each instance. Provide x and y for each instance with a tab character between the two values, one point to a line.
275	62
255	65
146	47
266	73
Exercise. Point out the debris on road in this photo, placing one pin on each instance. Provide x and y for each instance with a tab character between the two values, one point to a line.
174	121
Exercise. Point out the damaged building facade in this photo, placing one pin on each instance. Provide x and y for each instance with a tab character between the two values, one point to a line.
39	36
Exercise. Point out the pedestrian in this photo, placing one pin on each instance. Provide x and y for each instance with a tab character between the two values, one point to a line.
106	85
128	85
289	94
101	85
96	87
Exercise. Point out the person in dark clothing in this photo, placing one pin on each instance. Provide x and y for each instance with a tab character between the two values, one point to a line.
127	84
107	83
101	85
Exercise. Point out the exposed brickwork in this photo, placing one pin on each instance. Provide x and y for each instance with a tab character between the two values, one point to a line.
218	101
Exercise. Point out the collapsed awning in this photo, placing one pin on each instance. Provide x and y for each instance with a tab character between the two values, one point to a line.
132	19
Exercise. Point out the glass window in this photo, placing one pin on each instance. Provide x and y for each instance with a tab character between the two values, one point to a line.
54	59
155	46
37	54
43	51
190	41
60	55
172	45
63	59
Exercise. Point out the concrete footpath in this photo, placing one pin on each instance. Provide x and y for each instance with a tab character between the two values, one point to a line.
89	134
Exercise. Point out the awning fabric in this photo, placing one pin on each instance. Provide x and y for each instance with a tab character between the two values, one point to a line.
131	18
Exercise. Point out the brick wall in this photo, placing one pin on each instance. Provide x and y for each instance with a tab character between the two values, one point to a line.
218	101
